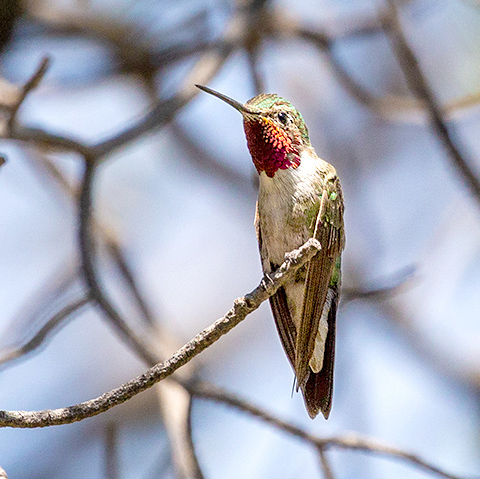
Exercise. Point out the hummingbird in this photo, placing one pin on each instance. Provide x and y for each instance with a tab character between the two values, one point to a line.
299	197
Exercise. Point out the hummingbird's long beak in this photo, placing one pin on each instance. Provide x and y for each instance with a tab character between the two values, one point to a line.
237	105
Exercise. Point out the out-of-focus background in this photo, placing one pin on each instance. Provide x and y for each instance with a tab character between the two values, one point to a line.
173	202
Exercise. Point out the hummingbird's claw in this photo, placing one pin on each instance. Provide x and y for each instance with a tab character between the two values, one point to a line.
266	280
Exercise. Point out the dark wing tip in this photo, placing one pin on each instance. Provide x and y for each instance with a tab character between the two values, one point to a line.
317	394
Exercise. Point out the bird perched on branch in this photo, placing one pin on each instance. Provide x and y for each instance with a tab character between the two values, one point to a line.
299	197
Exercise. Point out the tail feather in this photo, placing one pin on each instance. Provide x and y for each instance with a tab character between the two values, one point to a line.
318	388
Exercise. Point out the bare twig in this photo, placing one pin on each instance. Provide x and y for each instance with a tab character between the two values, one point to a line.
54	141
31	84
358	443
43	313
122	264
111	455
173	399
420	87
241	309
175	402
389	286
206	67
325	45
9	94
210	164
325	463
209	64
350	441
211	392
43	333
86	243
258	81
393	107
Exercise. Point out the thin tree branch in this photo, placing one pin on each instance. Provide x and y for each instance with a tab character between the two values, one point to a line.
325	45
420	87
350	441
325	463
258	81
200	158
175	404
358	443
393	107
119	258
43	333
51	140
111	454
86	243
29	86
242	307
388	287
173	399
204	70
43	313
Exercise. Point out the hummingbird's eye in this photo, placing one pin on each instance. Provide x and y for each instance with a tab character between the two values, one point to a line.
283	117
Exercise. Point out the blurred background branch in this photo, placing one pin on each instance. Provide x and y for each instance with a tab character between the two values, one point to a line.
241	309
157	274
422	90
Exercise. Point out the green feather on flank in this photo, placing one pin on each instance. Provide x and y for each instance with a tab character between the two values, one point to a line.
311	214
336	275
304	212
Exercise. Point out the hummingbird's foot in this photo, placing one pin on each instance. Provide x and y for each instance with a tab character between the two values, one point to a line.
289	258
266	281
